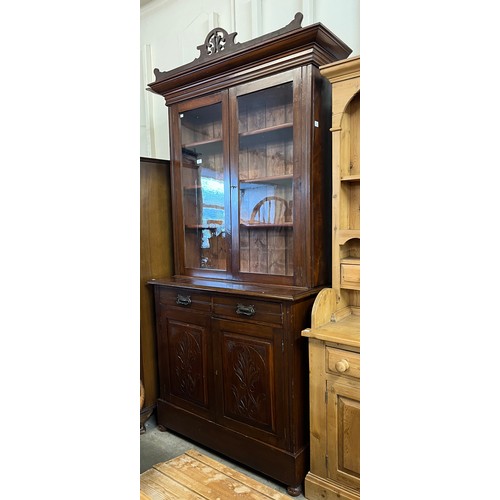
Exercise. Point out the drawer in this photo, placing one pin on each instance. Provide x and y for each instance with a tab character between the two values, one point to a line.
247	308
349	274
341	362
184	298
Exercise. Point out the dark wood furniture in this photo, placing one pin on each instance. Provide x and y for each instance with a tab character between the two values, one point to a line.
156	260
251	192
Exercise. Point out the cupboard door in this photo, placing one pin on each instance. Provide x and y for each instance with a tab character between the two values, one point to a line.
202	197
343	422
264	153
185	364
250	382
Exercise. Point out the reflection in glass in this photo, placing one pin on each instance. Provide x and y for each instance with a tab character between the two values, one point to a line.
203	188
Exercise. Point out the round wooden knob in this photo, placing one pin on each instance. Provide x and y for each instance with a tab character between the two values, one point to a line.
342	365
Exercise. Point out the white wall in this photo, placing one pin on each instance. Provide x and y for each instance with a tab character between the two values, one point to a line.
172	29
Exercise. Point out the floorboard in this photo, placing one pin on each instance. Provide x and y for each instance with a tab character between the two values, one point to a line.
194	476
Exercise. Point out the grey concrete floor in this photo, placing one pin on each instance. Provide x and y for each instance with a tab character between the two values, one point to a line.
157	446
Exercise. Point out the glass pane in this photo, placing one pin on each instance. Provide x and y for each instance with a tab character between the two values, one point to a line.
203	188
266	181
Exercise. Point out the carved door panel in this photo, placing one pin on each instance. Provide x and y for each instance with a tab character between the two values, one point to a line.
248	369
185	361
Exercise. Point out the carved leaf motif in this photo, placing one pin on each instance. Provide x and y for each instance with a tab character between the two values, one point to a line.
188	354
249	370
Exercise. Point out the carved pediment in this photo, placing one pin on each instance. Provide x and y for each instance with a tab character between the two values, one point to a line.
218	41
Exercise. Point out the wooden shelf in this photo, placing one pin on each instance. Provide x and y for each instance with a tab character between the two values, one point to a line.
274	179
266	130
197	144
350	178
265	225
350	260
344	332
202	226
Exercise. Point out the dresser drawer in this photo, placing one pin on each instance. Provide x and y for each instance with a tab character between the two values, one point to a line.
184	298
341	362
349	274
248	308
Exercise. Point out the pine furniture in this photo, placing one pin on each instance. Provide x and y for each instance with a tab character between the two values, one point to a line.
249	142
334	336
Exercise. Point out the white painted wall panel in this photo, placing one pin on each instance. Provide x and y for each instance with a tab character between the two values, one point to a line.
172	29
278	13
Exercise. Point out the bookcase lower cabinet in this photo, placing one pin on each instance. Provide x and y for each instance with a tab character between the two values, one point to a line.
233	372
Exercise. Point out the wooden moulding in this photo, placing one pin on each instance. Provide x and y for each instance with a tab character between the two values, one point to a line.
318	487
257	290
346	77
342	70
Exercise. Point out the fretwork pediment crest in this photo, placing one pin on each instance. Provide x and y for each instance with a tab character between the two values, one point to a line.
218	40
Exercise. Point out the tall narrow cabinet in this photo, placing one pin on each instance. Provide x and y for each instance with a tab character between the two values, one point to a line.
249	140
334	336
156	259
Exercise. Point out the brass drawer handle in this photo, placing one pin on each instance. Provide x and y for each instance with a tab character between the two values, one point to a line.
245	310
183	300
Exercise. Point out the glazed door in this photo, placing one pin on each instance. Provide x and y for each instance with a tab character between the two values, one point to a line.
201	186
263	175
250	386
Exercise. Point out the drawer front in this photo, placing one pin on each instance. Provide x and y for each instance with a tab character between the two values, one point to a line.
247	308
341	362
184	298
349	274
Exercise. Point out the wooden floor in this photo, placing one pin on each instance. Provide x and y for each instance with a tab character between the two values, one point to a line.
194	476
